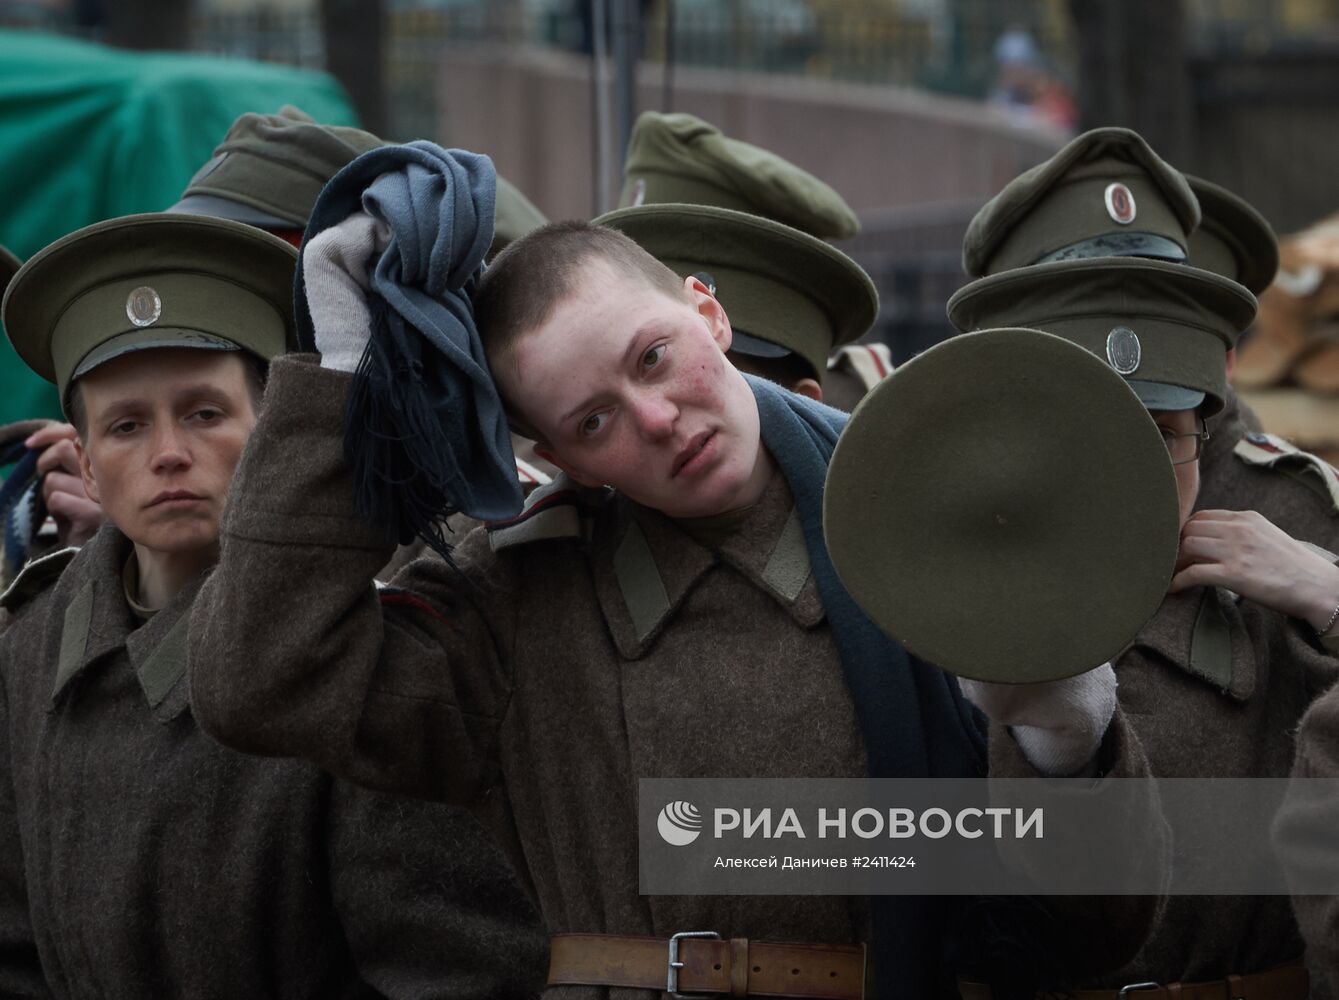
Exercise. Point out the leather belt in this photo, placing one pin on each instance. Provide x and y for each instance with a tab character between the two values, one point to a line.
706	964
1287	982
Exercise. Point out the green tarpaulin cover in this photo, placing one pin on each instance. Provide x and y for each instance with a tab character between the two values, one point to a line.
89	133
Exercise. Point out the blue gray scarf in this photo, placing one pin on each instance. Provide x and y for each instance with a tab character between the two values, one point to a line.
913	717
424	431
21	506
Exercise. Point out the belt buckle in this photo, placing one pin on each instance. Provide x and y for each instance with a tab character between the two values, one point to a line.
672	981
1134	987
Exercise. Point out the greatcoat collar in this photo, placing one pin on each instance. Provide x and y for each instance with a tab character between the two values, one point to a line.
646	565
1193	631
97	623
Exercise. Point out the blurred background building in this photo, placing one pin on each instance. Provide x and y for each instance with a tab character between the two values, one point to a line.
916	111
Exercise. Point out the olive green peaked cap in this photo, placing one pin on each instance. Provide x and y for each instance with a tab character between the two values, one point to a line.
1003	506
1233	239
513	217
269	169
1104	194
774	282
680	158
1165	327
147	281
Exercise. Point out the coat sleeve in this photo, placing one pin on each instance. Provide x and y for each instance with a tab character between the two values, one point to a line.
294	651
20	968
430	908
1306	835
1080	938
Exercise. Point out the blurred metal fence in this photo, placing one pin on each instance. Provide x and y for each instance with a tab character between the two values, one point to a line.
1265	74
1259	27
263	33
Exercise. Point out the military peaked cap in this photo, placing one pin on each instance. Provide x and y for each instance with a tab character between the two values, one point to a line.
775	283
513	216
269	169
1104	194
1003	506
1233	239
1165	327
150	281
682	159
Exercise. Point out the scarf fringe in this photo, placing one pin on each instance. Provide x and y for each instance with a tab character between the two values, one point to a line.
405	480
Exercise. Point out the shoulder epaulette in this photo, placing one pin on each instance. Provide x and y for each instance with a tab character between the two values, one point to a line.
35	577
1271	451
870	363
555	510
530	475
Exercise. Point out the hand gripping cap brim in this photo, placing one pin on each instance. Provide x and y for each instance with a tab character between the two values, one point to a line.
1152	321
774	282
150	280
1233	239
1004	507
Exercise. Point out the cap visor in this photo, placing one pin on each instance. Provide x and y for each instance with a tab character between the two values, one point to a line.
146	340
1161	396
222	208
756	347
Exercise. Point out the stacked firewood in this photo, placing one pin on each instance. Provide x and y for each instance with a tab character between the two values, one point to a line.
1287	369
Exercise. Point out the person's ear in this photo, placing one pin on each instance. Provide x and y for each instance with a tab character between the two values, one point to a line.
86	471
808	387
710	310
546	453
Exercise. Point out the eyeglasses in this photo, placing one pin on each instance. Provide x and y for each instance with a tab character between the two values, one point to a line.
1183	448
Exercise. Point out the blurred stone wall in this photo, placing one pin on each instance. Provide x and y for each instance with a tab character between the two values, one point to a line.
881	147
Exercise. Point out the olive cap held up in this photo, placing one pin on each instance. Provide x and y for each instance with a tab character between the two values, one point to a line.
149	281
775	282
1166	328
1003	506
1106	193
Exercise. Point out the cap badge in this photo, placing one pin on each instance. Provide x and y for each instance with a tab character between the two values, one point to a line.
1123	351
1120	203
143	306
639	192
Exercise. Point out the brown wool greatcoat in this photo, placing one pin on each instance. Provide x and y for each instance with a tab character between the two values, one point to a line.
1318	823
1233	716
1290	494
545	681
141	859
1294	495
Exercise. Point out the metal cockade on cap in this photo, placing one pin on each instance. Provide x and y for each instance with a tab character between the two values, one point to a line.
1123	350
143	306
1120	203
